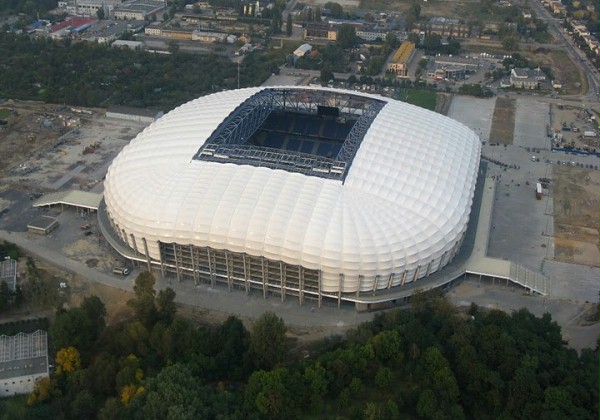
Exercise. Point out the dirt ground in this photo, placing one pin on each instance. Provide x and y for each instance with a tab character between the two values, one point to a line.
447	8
576	215
573	118
30	127
503	121
564	70
118	310
45	147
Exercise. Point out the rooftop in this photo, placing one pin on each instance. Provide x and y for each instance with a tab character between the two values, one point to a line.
402	53
302	145
23	354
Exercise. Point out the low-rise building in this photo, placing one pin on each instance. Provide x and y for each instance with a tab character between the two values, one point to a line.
139	9
444	26
302	50
91	7
8	272
401	59
121	43
322	31
23	361
133	114
204	36
371	34
154	29
525	78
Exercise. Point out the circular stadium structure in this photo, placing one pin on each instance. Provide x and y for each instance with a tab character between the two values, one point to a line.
310	192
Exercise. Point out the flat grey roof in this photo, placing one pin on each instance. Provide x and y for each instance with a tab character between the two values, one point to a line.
75	198
23	354
42	222
16	368
142	112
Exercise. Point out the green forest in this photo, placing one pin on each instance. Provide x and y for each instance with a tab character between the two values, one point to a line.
88	74
430	362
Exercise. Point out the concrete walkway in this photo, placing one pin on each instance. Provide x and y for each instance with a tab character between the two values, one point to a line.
203	296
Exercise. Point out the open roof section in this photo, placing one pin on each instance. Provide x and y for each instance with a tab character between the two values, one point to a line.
229	142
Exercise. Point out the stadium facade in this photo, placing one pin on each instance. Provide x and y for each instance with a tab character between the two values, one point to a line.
313	193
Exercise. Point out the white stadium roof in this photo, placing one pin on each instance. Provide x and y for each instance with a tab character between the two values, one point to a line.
404	202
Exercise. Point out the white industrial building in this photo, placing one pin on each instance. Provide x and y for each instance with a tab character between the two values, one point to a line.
121	43
133	114
139	9
23	360
90	8
8	272
314	193
302	50
205	36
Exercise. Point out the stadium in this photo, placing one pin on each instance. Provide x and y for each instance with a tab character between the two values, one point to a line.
313	193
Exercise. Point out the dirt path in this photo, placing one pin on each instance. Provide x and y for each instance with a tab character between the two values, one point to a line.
503	121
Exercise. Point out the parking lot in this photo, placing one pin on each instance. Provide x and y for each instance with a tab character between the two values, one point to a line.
523	228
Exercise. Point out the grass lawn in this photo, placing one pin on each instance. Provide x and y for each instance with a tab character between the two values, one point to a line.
419	97
4	113
14	407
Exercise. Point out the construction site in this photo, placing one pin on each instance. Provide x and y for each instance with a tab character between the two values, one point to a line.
576	215
45	147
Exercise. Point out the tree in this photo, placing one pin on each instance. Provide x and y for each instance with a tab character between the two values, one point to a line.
326	75
268	394
96	312
346	36
173	47
143	304
67	360
441	389
101	374
317	15
335	9
412	15
45	389
174	394
268	343
510	43
388	348
73	328
381	411
166	305
315	378
432	42
391	40
414	38
231	340
288	25
100	13
84	404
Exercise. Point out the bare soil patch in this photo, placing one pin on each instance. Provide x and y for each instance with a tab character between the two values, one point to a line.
30	127
503	121
564	70
447	8
576	215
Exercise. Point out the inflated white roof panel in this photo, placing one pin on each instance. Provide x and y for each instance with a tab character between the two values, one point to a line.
404	203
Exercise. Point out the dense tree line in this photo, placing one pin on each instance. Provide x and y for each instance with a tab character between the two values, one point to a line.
29	7
87	74
431	362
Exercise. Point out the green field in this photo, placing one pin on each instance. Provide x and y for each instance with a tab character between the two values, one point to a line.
4	113
419	97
